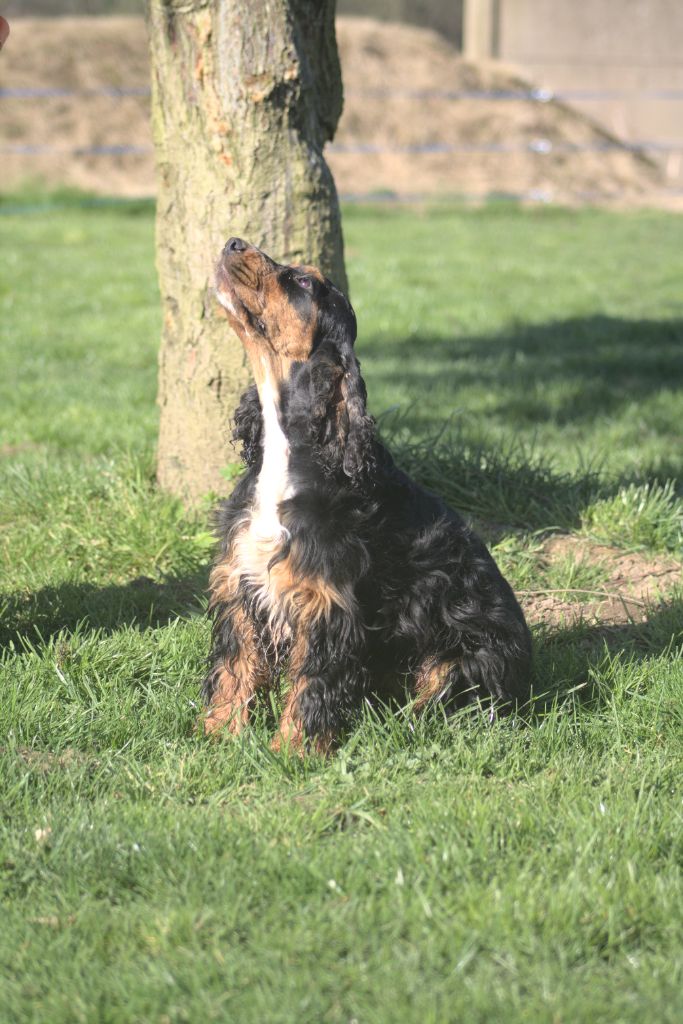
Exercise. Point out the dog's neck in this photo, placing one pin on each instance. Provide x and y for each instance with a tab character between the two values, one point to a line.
273	484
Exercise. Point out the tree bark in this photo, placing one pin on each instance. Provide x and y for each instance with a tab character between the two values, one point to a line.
244	97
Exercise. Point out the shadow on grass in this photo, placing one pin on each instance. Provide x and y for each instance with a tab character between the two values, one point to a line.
511	487
565	371
587	367
578	655
143	602
561	372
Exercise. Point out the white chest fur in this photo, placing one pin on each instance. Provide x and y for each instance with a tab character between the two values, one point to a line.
263	535
273	483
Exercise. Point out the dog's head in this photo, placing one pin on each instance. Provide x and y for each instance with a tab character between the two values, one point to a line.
298	331
280	313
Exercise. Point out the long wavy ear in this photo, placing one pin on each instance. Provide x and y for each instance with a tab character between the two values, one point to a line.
248	426
356	429
334	396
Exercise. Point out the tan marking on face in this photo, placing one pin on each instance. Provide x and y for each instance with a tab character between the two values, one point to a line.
290	338
306	268
250	279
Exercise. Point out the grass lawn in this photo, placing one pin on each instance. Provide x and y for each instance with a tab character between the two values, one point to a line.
431	871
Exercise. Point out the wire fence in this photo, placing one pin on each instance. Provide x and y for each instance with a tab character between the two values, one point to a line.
536	95
540	146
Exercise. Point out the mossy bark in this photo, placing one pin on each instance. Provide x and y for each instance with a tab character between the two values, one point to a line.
244	97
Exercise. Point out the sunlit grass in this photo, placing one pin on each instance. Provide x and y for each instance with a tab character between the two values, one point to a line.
432	870
648	515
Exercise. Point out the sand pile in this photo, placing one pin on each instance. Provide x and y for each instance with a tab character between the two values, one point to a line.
395	79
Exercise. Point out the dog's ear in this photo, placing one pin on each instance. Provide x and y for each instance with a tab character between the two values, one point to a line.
342	432
348	439
355	428
248	426
325	400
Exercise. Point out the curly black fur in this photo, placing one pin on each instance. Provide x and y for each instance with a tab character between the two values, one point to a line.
420	589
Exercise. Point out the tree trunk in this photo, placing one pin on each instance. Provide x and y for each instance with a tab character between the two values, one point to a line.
244	96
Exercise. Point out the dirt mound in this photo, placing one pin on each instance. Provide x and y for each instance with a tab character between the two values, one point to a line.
396	80
529	143
81	54
631	584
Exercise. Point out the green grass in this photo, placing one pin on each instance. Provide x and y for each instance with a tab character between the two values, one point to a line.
571	577
431	871
647	515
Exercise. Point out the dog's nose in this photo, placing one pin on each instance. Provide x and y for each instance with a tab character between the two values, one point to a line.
235	245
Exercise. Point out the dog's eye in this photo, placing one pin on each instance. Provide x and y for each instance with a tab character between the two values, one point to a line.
260	324
305	282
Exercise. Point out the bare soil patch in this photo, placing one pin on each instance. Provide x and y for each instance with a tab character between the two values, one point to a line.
634	584
387	70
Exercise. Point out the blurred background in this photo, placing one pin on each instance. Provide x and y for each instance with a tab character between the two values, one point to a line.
541	100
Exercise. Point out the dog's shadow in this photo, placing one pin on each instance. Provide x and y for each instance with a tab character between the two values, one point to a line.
565	371
567	657
40	615
570	662
610	362
582	658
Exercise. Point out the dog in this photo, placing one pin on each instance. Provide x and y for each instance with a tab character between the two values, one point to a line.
334	565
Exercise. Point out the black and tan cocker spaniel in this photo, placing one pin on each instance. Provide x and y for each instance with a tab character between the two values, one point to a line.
334	566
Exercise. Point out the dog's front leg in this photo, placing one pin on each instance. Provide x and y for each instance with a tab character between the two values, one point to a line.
329	683
239	667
